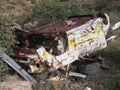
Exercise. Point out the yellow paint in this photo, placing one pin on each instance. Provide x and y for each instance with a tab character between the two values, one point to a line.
45	54
85	38
71	42
76	40
98	25
107	17
92	35
80	40
98	34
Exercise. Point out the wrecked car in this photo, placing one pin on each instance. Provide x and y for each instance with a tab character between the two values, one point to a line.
61	43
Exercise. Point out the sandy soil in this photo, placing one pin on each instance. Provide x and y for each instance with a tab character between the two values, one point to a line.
15	83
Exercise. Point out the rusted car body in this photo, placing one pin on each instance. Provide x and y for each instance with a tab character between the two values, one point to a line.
63	42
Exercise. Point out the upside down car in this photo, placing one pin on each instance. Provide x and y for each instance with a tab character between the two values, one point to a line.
61	43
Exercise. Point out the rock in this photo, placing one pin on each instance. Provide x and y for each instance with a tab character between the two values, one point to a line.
74	85
87	88
91	69
101	87
32	24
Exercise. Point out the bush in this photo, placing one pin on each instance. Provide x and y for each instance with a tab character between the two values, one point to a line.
33	1
102	4
4	70
24	18
6	36
49	11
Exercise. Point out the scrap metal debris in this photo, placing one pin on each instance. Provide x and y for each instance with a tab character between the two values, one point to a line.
56	78
77	74
111	38
61	43
82	41
116	26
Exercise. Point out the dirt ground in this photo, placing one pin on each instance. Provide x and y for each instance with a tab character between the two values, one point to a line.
15	83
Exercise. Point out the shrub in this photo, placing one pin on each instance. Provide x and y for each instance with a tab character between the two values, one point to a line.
102	4
4	70
24	18
33	1
49	11
6	36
